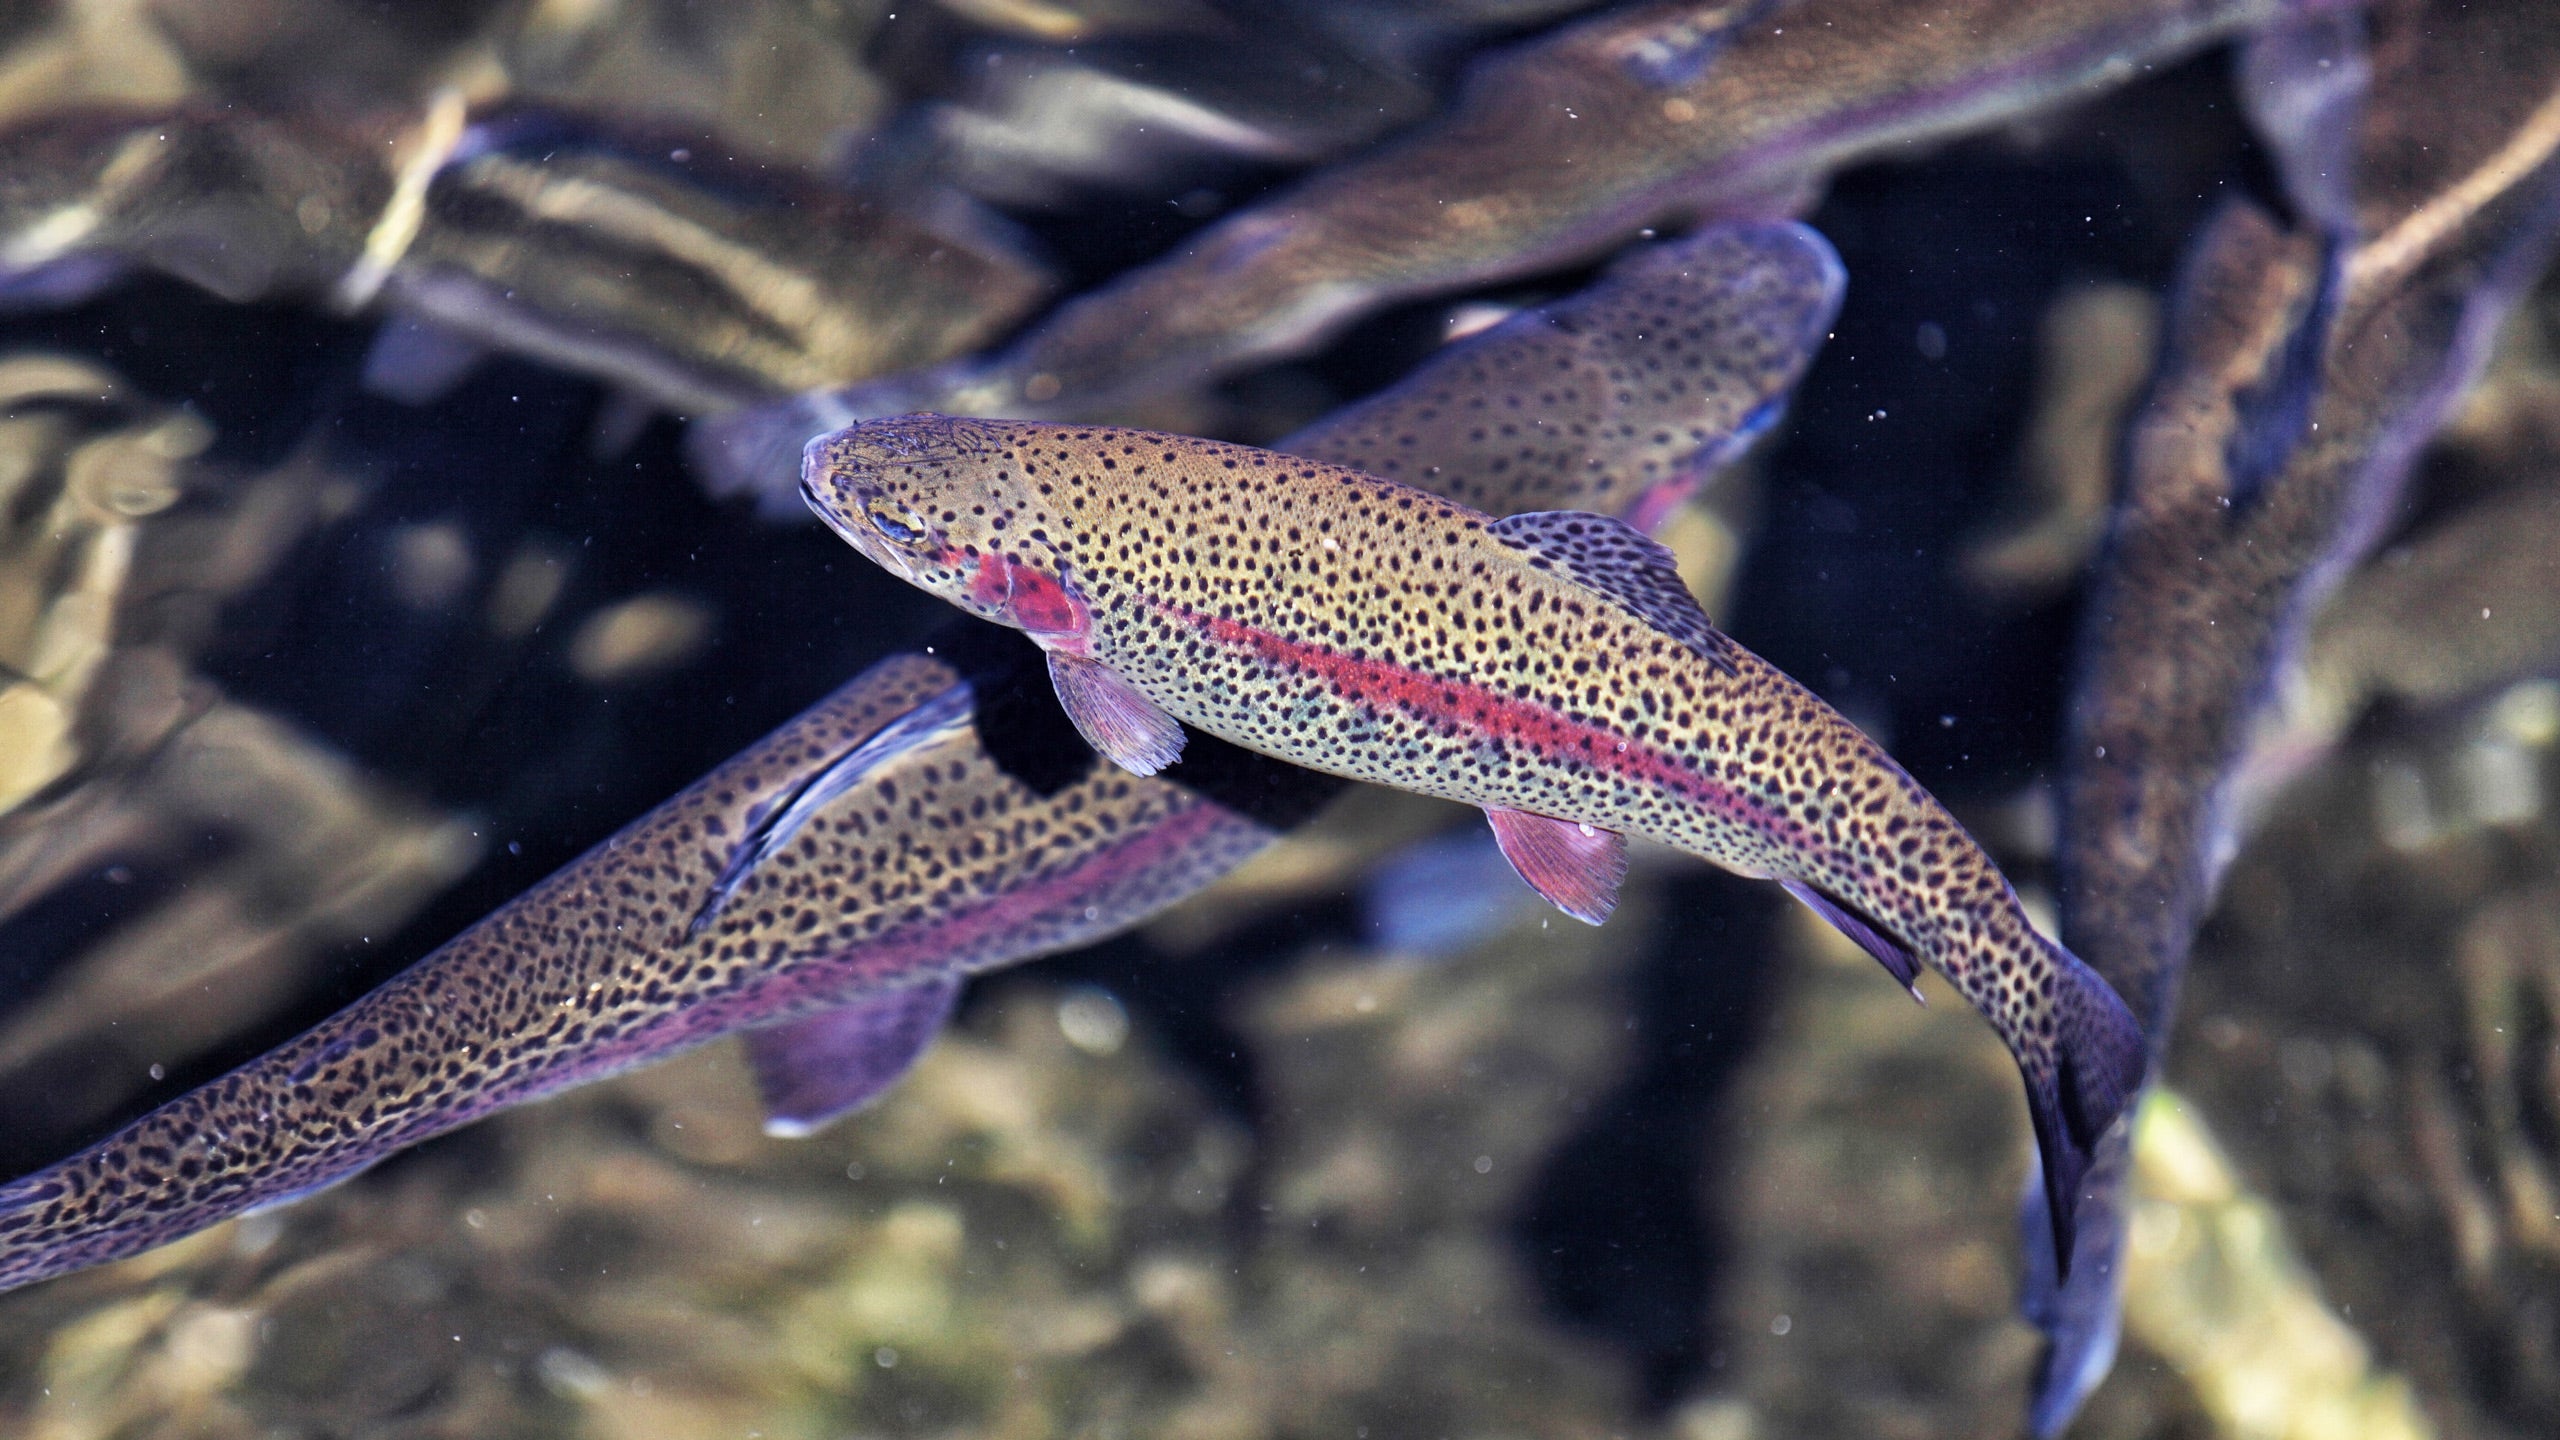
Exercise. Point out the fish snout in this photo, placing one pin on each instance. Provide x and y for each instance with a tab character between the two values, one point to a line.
822	479
845	492
812	460
824	492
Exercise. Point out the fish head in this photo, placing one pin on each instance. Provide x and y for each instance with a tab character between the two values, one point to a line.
929	499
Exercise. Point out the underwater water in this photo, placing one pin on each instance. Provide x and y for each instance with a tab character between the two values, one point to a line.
2141	419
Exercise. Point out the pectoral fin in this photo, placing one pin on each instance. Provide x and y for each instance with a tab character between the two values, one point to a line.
1577	867
812	1071
1871	937
1113	717
933	722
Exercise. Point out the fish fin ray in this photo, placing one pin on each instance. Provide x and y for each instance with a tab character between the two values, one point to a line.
2271	417
1897	958
1576	867
2082	1319
2095	1071
296	1195
814	1070
1623	565
1130	729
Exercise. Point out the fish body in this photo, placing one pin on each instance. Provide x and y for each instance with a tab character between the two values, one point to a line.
1548	667
2305	370
1556	149
932	862
824	891
1558	410
570	239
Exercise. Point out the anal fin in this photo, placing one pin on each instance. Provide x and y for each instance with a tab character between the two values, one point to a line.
814	1070
1576	867
1127	727
1896	958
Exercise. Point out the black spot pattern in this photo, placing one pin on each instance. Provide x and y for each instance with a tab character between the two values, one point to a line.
593	970
1618	398
1368	629
1632	568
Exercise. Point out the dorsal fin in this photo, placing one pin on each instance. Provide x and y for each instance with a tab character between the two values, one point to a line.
1621	563
2271	417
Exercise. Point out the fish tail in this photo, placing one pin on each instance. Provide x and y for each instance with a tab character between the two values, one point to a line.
2082	1317
2085	1083
26	1239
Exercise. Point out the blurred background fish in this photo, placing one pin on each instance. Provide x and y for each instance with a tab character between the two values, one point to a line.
354	576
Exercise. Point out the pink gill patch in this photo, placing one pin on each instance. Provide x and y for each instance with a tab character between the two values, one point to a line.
1037	602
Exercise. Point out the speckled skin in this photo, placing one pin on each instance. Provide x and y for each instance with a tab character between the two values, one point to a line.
2209	576
1566	411
2214	566
1372	630
996	841
943	864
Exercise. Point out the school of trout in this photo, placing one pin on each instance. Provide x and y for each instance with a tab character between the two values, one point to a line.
1176	649
825	892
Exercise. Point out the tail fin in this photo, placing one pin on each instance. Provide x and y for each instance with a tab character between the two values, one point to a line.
2090	1082
2082	1318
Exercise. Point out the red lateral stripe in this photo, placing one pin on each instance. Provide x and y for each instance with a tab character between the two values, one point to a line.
1554	737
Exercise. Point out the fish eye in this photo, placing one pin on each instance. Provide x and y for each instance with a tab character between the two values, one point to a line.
898	524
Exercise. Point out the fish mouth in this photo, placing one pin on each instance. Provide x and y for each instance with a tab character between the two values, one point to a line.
869	545
813	458
825	511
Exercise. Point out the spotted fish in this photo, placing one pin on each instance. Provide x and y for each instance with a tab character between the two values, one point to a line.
931	861
1556	149
825	890
1549	667
626	256
1568	412
2306	370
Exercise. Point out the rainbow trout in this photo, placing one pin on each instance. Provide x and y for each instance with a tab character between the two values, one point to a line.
566	238
611	963
2305	371
826	891
1549	667
1556	149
